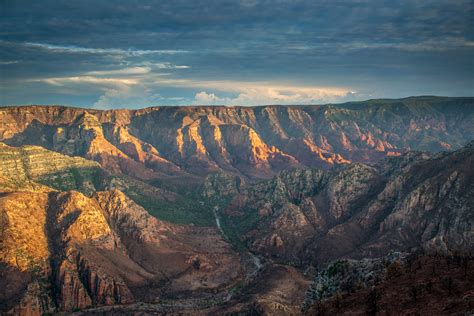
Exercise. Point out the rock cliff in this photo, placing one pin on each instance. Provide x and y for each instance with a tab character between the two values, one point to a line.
253	142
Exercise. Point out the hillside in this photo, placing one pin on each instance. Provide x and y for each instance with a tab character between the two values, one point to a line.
31	166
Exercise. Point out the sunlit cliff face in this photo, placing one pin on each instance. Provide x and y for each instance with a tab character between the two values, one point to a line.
255	142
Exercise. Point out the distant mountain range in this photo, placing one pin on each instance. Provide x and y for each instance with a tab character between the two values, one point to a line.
253	210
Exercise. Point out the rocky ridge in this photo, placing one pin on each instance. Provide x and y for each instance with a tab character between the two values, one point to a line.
253	142
416	200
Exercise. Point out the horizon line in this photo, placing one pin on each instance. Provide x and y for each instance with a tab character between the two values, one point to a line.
230	105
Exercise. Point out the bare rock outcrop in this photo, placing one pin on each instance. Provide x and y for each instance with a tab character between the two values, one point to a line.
405	202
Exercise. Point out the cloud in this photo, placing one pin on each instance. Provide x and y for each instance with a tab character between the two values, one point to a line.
137	86
165	65
209	98
9	62
431	45
121	76
123	71
106	78
128	97
79	80
106	51
427	45
261	95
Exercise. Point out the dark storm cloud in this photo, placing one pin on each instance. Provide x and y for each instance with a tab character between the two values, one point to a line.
377	48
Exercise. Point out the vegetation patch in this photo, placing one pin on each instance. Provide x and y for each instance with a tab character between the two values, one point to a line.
184	210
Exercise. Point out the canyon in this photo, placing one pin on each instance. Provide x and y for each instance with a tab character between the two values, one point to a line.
215	210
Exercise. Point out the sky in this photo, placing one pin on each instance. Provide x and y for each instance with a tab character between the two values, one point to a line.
133	54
